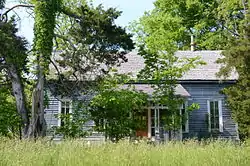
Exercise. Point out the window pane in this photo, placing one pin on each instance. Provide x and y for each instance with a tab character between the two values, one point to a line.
214	114
183	120
212	124
163	116
217	123
212	108
62	110
216	109
67	110
152	131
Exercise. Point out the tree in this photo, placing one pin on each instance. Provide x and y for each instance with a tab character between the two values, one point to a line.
91	46
106	38
13	60
45	18
212	22
159	34
114	109
237	58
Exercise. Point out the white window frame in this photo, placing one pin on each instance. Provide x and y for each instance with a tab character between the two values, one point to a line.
187	120
60	108
156	109
220	114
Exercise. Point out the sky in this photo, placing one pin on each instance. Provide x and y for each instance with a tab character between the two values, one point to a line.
132	10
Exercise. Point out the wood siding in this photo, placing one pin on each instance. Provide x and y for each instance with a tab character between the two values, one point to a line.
51	111
198	119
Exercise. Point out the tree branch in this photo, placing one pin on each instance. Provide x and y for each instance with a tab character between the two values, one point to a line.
69	13
55	66
16	6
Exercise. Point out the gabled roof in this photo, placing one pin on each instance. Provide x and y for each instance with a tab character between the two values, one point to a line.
202	72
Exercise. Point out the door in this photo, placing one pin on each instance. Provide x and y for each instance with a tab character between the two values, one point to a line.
143	123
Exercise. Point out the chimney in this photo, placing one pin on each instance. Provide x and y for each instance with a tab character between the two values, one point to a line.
192	44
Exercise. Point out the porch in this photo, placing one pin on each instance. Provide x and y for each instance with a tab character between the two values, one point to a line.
153	126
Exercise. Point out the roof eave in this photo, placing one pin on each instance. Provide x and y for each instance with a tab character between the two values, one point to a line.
207	81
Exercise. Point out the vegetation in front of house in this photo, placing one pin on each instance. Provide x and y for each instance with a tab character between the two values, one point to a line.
216	25
116	109
77	152
237	58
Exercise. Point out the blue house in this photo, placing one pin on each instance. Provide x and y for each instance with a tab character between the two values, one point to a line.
199	85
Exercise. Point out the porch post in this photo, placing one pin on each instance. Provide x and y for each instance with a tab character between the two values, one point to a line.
149	123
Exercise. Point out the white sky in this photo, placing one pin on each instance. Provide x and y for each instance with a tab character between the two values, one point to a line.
132	10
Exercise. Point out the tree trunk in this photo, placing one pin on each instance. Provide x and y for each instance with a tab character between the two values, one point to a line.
38	125
18	91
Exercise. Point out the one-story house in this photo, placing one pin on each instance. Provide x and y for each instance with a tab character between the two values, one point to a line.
199	85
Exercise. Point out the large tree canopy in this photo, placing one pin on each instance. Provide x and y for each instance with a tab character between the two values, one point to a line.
212	22
237	57
89	44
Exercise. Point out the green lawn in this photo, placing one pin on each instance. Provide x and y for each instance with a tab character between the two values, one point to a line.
24	153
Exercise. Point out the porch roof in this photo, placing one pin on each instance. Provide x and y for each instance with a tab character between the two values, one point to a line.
146	88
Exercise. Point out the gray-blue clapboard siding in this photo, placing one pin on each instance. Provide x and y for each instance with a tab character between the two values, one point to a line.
198	121
51	112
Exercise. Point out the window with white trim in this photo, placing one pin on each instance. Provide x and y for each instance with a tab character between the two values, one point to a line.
158	117
184	118
215	119
65	107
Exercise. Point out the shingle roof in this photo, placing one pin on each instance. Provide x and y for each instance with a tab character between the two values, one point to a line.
203	72
146	88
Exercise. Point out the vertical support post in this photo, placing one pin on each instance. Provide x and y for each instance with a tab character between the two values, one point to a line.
149	123
192	43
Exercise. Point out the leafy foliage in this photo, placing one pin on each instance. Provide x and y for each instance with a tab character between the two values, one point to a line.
74	122
89	45
159	34
237	58
2	2
12	47
9	118
13	60
114	109
45	15
212	22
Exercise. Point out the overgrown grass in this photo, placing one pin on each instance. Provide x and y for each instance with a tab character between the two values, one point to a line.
25	153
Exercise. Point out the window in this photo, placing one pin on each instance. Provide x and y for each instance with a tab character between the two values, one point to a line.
64	109
159	116
215	120
153	121
184	118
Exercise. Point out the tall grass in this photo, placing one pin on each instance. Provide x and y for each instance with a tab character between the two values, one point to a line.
77	153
